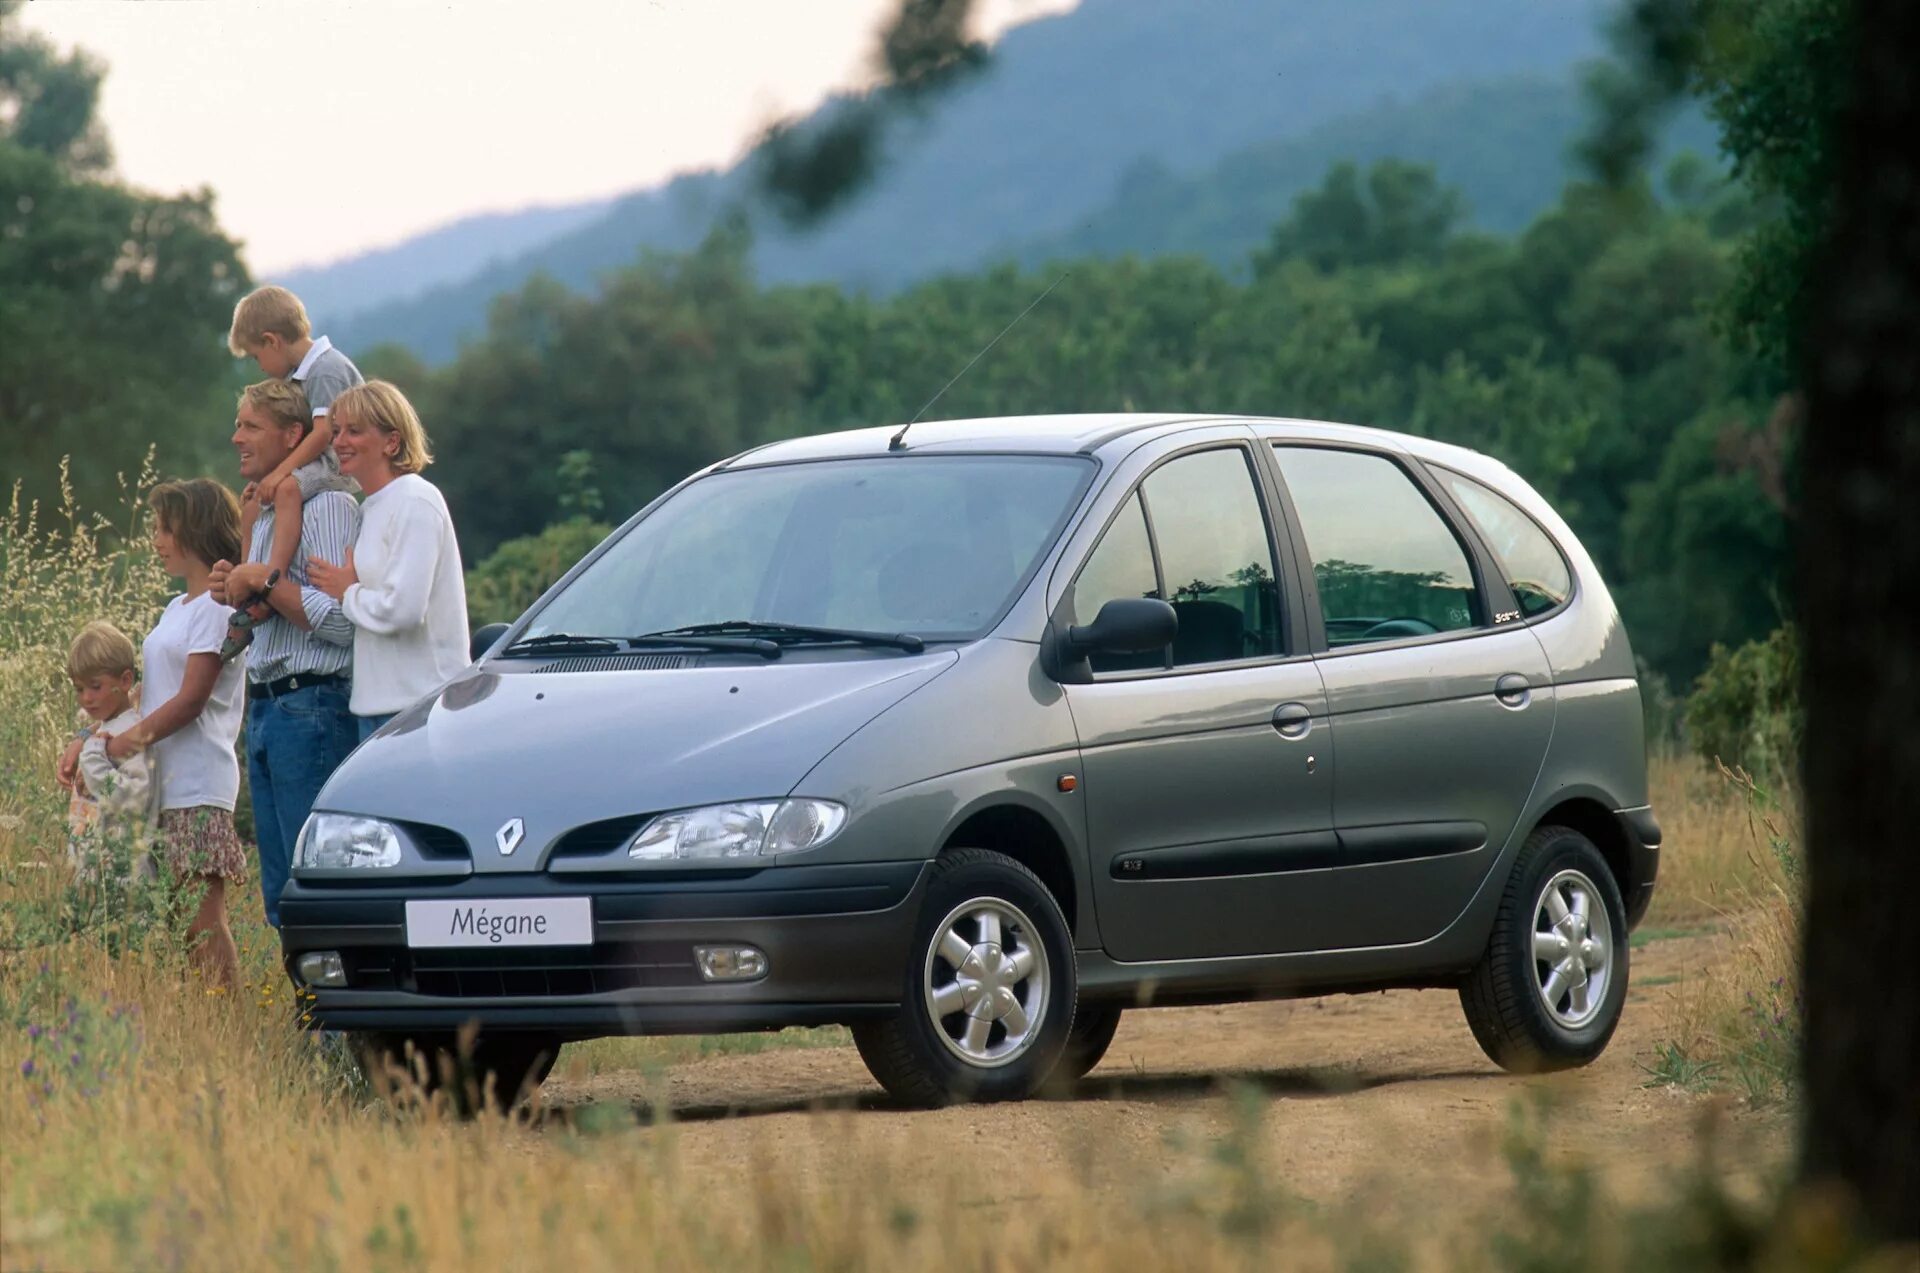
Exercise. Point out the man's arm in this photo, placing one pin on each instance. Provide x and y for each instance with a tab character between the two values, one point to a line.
328	524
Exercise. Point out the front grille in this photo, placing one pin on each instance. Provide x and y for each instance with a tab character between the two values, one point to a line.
520	972
438	842
594	838
617	663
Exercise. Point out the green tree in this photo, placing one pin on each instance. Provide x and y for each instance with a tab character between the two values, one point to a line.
112	302
1400	212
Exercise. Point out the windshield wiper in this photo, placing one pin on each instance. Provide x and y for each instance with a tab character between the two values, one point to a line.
563	642
897	640
567	643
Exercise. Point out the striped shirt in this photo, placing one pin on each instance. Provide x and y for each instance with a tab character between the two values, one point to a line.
328	524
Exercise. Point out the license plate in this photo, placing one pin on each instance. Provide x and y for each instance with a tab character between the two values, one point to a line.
501	921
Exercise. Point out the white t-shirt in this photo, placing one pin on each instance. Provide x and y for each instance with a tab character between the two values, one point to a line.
409	609
197	762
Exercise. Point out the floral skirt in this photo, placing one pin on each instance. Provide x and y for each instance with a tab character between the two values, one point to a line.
202	841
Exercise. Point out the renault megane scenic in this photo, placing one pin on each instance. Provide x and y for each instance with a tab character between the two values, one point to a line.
976	735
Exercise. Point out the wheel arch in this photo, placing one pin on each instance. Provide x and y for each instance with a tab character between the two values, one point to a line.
1032	837
1593	816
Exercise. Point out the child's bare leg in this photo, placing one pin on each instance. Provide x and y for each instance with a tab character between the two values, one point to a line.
286	525
210	939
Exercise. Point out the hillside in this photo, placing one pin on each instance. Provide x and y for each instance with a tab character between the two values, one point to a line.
1505	143
1037	143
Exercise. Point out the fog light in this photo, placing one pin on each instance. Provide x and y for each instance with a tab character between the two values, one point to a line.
730	963
321	968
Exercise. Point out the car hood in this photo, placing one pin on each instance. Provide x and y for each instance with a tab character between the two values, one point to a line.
560	750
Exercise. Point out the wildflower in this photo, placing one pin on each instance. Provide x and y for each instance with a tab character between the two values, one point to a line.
26	1068
34	1032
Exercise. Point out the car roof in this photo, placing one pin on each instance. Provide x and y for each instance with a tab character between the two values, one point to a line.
1086	434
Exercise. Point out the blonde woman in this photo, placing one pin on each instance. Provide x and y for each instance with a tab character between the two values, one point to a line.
401	582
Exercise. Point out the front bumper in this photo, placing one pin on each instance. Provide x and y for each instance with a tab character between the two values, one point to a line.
1643	859
836	939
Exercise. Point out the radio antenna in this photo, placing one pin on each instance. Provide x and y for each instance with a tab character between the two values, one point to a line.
899	440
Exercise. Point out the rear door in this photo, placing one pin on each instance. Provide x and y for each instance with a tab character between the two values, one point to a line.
1207	786
1440	706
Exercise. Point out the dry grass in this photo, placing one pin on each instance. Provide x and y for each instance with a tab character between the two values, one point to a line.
146	1122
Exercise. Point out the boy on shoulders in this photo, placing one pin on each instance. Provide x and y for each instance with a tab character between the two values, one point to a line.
270	326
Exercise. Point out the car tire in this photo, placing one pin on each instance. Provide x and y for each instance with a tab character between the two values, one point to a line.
1548	991
493	1071
1016	973
1087	1042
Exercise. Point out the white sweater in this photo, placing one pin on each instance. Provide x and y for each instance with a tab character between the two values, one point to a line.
409	609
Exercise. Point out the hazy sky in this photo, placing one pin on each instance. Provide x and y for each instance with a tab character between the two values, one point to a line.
329	127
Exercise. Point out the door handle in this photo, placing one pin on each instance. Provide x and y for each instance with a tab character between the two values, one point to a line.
1513	690
1293	720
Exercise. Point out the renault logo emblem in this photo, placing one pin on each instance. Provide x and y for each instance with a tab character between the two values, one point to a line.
509	836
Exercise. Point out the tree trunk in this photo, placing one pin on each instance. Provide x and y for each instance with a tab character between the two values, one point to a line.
1859	592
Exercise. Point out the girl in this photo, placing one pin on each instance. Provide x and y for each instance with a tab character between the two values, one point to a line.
401	583
197	708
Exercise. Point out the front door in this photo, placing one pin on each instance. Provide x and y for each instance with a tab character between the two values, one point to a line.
1207	779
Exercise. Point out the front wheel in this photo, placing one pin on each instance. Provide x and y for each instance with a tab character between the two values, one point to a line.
988	992
1548	992
1092	1033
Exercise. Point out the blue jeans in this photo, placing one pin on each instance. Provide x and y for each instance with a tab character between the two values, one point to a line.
294	743
367	724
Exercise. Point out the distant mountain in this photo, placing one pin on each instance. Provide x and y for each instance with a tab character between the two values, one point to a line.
1505	143
1035	146
446	255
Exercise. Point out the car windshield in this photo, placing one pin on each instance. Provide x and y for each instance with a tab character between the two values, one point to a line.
930	545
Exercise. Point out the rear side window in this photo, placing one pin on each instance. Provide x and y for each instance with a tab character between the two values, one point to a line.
1532	563
1385	562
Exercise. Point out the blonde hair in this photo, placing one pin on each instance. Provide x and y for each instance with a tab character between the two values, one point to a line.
100	650
283	400
381	404
264	311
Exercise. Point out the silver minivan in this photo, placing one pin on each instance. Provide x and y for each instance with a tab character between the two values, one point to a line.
974	735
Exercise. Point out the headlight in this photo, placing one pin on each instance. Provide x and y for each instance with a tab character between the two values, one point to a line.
331	840
758	828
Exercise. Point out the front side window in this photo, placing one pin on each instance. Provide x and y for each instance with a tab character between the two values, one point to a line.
1194	535
1216	561
1385	562
1121	566
932	545
1534	568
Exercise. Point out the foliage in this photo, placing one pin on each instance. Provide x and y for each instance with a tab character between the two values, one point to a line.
1775	75
1745	708
1399	213
501	588
112	301
1741	1026
1579	352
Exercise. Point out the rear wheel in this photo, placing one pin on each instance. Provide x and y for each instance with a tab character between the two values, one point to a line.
491	1071
1547	993
988	991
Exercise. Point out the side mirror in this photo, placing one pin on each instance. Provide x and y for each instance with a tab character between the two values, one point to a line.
483	639
1126	625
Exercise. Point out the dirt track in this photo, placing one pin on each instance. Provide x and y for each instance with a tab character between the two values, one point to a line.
1374	1095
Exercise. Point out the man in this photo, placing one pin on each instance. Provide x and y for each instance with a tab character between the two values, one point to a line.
299	664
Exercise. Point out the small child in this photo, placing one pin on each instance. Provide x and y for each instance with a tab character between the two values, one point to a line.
114	804
270	326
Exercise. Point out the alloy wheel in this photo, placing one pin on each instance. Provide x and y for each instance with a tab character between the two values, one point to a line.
985	982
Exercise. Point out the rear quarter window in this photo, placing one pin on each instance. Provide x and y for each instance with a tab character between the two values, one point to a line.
1533	564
